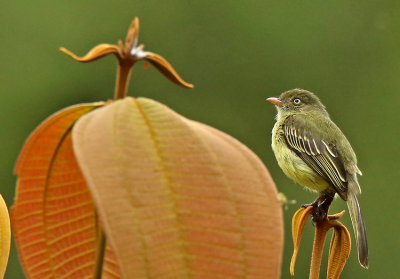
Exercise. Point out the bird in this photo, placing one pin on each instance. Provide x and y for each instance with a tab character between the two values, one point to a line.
312	151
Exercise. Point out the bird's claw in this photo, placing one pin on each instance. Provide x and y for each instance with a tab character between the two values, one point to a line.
319	214
313	204
320	208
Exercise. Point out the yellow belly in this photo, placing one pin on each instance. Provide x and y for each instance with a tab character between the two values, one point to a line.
294	167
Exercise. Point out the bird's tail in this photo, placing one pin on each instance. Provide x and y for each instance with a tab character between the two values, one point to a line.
359	228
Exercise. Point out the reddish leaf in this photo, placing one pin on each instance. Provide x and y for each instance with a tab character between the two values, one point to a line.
54	216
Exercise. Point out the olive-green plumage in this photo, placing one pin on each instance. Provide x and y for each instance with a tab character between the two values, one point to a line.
313	151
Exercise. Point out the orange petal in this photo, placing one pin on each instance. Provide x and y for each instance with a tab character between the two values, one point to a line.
95	53
339	250
165	68
5	236
298	222
177	198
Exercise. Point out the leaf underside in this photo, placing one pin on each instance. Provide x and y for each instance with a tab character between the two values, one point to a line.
54	217
339	251
177	198
298	223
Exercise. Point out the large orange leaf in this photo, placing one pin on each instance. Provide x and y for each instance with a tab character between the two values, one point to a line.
54	217
176	198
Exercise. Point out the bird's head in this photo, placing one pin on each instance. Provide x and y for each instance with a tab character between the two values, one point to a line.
297	101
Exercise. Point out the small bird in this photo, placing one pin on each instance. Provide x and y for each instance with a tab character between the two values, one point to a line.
313	151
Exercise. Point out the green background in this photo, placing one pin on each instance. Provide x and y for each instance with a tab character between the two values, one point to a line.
236	53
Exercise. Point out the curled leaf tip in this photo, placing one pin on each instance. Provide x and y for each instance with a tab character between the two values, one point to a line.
339	248
69	53
336	216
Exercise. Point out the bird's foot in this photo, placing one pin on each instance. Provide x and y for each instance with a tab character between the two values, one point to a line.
313	204
320	207
319	214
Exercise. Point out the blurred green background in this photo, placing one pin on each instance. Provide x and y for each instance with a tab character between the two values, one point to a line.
236	53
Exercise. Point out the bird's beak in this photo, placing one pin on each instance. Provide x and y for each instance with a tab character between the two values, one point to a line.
275	101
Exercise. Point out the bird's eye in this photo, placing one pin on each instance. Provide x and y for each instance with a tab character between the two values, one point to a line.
297	101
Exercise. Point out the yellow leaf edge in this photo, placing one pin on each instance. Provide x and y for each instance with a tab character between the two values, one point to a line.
5	236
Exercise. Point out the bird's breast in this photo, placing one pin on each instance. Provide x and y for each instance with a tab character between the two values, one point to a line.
293	166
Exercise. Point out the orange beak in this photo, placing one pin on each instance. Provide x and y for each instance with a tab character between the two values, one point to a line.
275	101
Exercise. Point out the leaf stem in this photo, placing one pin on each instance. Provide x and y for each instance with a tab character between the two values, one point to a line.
101	248
320	234
123	76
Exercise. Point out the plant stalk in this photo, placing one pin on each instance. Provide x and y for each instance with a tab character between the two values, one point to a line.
319	240
123	77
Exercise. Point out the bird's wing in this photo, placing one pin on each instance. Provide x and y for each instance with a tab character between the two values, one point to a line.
322	156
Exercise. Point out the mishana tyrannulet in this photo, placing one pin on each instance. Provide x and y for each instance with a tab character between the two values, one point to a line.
314	152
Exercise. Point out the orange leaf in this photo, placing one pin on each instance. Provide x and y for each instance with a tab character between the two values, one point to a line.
339	250
165	68
95	53
131	39
340	245
178	199
298	222
54	217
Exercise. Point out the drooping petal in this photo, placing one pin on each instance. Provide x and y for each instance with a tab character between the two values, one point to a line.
339	250
298	222
95	53
5	236
164	67
54	219
177	198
